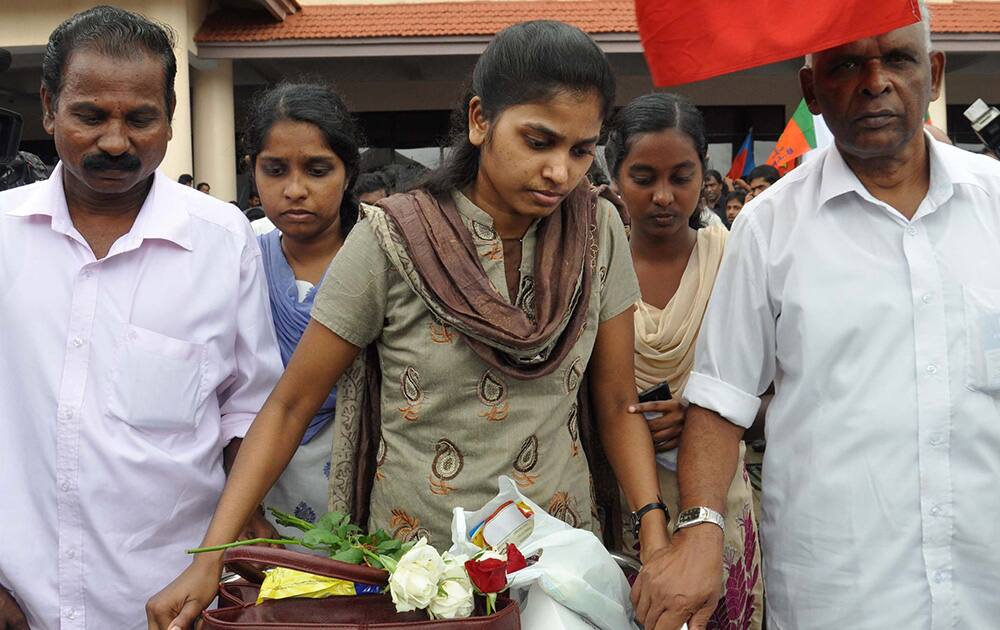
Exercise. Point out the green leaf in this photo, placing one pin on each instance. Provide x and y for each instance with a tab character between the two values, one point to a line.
388	563
374	561
319	538
350	556
331	521
389	546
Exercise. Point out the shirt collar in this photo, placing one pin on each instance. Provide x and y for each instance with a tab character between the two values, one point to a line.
157	219
470	210
474	215
47	199
838	178
164	214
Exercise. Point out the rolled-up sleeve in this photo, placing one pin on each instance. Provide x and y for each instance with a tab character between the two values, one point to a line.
735	354
257	360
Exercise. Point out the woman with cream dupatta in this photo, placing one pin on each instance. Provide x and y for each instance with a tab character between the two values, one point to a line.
656	153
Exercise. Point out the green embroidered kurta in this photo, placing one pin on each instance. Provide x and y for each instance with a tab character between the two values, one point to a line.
450	423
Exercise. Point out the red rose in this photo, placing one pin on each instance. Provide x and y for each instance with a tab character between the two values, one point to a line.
488	576
515	560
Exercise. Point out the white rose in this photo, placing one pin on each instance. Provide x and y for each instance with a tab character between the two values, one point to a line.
414	583
454	567
453	601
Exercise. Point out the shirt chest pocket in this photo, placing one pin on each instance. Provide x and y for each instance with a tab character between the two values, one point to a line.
157	382
982	320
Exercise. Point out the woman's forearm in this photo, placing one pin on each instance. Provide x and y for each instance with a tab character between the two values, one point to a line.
625	436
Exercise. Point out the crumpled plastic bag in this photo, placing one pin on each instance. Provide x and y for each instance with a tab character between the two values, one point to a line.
282	583
574	568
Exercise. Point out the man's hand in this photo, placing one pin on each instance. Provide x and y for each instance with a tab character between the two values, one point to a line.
11	617
178	606
666	428
682	582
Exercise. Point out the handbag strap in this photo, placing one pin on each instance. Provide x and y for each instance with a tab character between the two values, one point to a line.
309	563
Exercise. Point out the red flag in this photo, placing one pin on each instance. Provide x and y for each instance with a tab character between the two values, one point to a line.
691	40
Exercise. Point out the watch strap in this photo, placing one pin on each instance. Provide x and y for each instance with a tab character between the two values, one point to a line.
649	507
697	516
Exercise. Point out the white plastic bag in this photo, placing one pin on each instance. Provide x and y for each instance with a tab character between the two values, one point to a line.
574	568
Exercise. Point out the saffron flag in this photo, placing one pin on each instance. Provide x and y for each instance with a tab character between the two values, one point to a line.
798	138
691	40
743	163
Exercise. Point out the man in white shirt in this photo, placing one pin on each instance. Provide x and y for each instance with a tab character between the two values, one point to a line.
864	284
135	342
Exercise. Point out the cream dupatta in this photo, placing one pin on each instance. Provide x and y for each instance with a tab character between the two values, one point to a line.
665	339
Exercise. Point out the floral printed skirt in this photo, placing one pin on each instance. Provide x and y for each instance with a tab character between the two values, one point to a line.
303	487
742	604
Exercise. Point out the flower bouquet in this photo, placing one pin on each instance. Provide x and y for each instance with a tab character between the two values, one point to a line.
445	585
368	580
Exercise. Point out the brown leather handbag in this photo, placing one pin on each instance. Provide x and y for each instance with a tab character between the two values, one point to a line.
374	612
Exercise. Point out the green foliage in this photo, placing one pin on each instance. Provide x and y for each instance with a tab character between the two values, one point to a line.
335	535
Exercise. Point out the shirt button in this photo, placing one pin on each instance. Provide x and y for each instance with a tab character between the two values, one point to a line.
940	576
70	554
927	298
912	231
132	335
65	486
932	369
936	510
970	388
936	439
88	273
77	342
66	412
71	614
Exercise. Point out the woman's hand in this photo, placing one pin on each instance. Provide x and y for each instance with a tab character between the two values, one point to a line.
665	428
179	605
259	527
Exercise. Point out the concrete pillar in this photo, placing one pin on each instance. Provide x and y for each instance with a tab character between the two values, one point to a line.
214	126
178	158
939	109
177	161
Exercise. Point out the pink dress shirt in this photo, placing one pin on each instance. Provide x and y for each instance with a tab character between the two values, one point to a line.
122	381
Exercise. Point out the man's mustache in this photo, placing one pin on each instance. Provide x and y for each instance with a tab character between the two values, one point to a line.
105	162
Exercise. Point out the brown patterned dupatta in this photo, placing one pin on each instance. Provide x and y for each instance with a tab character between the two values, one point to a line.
426	241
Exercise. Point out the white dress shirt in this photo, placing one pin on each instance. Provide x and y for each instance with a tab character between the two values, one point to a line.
881	479
122	381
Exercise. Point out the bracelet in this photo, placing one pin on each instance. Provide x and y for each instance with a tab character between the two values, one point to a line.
649	507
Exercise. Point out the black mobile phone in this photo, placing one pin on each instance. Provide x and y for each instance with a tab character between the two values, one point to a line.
660	391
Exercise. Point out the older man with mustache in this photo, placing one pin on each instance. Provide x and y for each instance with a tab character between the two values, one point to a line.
864	285
135	341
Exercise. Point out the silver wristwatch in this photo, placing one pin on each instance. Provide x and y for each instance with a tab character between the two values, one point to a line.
697	516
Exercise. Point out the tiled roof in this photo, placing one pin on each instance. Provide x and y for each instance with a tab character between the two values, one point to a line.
486	17
419	20
966	17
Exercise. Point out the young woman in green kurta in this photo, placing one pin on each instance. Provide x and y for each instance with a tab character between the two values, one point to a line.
490	295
